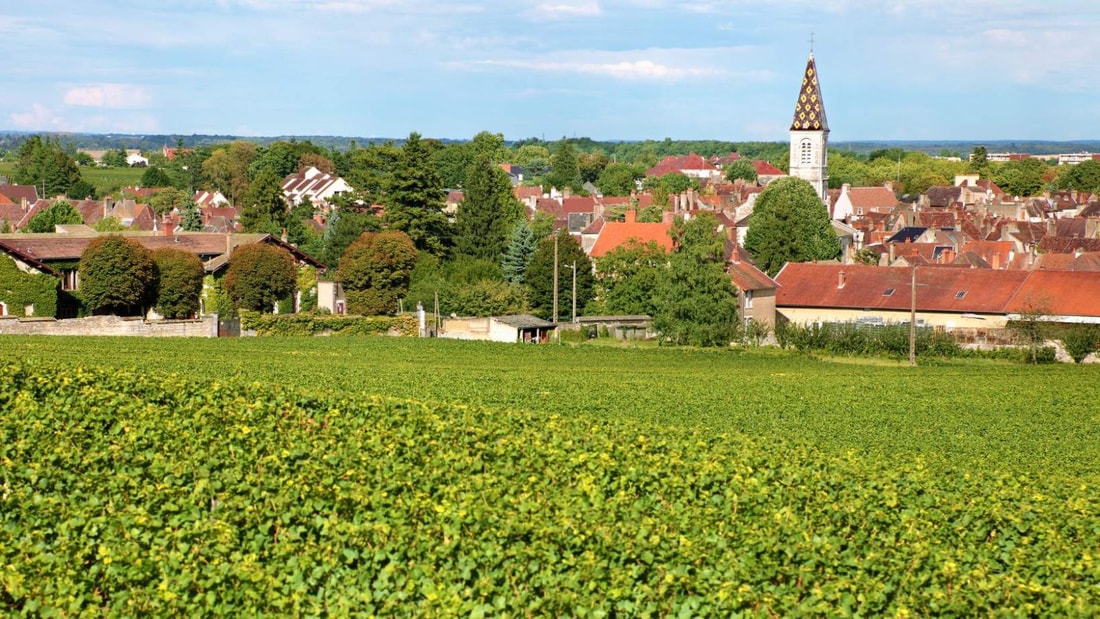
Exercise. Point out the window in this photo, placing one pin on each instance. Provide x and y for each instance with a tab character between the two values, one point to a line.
960	294
70	279
806	152
888	292
748	299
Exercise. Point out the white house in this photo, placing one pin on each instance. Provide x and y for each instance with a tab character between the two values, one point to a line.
313	185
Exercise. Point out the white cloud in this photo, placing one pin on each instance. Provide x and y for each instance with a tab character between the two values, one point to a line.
114	96
39	118
566	10
641	70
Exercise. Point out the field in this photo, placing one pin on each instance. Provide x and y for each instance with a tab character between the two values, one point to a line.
104	179
402	476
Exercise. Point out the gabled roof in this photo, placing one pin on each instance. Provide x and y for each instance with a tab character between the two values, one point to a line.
25	258
872	197
672	164
908	234
763	168
17	193
809	110
746	276
617	233
869	287
1059	293
524	321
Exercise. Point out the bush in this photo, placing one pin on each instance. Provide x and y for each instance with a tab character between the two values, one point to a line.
375	272
290	325
179	282
117	276
1080	341
259	276
849	338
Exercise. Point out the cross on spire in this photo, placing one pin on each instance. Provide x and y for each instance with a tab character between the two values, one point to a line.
811	44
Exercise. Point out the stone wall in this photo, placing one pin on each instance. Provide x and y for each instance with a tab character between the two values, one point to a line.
110	325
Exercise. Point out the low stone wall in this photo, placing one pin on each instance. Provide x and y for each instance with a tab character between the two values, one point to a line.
110	325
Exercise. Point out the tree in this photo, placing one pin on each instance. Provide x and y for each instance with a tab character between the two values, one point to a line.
521	246
179	277
155	177
109	224
315	160
60	213
677	182
227	169
168	199
591	165
45	164
741	169
375	272
628	277
346	224
116	276
192	218
1021	178
1084	176
488	213
696	302
259	276
416	198
540	276
618	179
265	208
564	170
114	158
790	224
1080	341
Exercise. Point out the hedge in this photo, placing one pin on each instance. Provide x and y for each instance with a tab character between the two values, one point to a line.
314	324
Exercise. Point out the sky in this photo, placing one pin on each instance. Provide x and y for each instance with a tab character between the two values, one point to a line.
604	69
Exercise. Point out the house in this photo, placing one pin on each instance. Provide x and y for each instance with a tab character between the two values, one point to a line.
755	288
313	185
691	165
23	195
135	160
859	201
30	285
522	328
205	199
171	153
59	254
613	234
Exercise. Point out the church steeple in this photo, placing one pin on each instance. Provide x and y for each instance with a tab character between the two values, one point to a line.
809	110
810	134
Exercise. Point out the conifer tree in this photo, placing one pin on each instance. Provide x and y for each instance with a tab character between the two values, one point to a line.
488	213
414	204
518	254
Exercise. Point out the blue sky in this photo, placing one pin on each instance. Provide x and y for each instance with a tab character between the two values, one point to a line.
606	69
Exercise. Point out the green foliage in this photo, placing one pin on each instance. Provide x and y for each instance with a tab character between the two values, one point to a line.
415	199
370	170
114	158
47	165
279	159
259	275
155	177
179	276
298	325
346	224
243	497
1084	176
517	255
849	339
20	290
60	213
540	276
488	213
591	165
265	208
696	304
1080	341
192	218
618	179
564	169
674	183
1021	178
741	169
168	199
226	169
117	276
375	272
790	224
109	224
628	277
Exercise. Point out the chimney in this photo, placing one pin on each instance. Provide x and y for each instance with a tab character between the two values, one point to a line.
892	253
675	203
997	261
840	280
169	227
1052	227
631	216
846	188
668	217
889	185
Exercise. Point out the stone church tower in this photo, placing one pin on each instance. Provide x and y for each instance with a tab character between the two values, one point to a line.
810	134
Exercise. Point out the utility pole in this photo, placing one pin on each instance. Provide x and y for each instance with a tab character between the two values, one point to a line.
574	265
435	326
556	278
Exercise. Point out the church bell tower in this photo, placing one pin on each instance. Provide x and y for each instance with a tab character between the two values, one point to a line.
810	134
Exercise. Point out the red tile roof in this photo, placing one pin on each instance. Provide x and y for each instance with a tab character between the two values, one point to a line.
1061	293
672	164
616	233
865	287
746	276
17	193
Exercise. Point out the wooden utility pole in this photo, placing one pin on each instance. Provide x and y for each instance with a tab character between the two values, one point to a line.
913	320
556	278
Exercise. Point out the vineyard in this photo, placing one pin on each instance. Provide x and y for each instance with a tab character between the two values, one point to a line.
391	476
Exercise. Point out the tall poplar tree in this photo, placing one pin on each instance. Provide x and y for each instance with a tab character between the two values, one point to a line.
488	213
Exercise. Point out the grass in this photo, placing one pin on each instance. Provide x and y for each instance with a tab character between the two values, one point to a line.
1021	419
105	180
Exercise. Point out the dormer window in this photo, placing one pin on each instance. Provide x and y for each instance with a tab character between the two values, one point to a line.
806	152
888	292
960	294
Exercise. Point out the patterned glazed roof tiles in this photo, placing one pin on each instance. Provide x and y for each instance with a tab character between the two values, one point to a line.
809	111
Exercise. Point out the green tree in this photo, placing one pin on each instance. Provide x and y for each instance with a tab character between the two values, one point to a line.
109	224
618	179
696	302
192	218
534	159
114	158
346	224
789	224
155	177
742	169
677	182
1080	341
591	165
1084	176
1021	178
415	201
259	276
226	169
45	164
628	277
370	170
564	170
375	272
60	213
540	276
168	199
265	208
488	213
521	246
116	276
179	276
